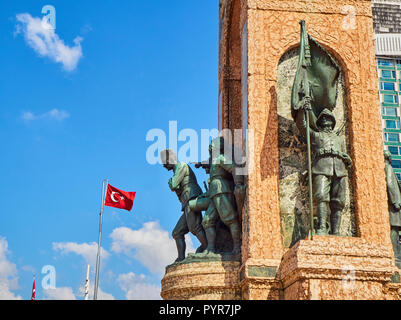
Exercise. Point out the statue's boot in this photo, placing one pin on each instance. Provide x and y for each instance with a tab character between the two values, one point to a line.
236	235
201	236
180	243
335	219
322	209
211	240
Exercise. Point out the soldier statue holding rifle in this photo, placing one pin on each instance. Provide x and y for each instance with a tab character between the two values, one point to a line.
223	199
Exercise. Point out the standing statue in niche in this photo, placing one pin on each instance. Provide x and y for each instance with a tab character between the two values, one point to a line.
394	207
220	202
185	185
329	169
314	98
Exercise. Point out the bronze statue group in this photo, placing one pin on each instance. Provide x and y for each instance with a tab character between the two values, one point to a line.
221	202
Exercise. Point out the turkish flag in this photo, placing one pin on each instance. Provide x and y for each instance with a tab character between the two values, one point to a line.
119	199
33	290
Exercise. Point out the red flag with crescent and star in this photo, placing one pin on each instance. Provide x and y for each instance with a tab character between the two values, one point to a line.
119	199
33	290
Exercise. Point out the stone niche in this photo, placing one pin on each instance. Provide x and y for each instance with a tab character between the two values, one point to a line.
293	174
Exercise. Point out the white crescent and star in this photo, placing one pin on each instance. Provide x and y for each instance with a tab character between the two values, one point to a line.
114	199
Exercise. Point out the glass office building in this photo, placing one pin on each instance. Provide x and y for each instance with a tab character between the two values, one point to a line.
387	26
389	72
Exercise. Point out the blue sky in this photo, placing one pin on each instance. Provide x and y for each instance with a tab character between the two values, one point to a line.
77	111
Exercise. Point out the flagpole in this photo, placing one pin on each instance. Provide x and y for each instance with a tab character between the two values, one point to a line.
306	62
33	294
310	179
87	283
105	182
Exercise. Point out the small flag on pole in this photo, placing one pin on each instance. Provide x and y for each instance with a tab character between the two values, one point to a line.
87	283
33	289
119	199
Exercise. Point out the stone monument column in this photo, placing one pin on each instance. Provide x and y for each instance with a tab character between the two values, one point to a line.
254	36
258	45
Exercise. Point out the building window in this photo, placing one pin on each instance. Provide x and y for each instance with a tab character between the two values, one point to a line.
395	151
388	74
392	124
388	86
388	111
398	63
385	63
398	176
396	164
390	98
391	137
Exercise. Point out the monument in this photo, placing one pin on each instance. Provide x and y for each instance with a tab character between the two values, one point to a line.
315	220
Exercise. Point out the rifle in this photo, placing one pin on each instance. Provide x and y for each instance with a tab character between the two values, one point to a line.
203	165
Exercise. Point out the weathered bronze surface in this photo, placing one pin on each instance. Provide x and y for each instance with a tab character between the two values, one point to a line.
329	170
220	203
313	99
394	207
185	185
317	76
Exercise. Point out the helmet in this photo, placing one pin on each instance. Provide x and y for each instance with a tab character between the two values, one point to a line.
217	144
387	155
328	114
168	157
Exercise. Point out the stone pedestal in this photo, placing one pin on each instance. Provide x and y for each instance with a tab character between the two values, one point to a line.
218	280
392	290
258	280
333	268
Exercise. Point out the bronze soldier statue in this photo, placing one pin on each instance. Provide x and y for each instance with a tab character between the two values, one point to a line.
185	185
329	167
222	202
394	207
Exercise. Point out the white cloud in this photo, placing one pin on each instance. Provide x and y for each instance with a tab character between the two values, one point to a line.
8	274
87	250
137	288
54	114
40	36
151	245
63	293
29	268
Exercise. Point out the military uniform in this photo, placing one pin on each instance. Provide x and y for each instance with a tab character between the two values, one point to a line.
186	187
222	203
394	196
394	199
221	189
329	166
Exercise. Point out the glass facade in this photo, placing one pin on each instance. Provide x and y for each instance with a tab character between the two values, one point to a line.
389	73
